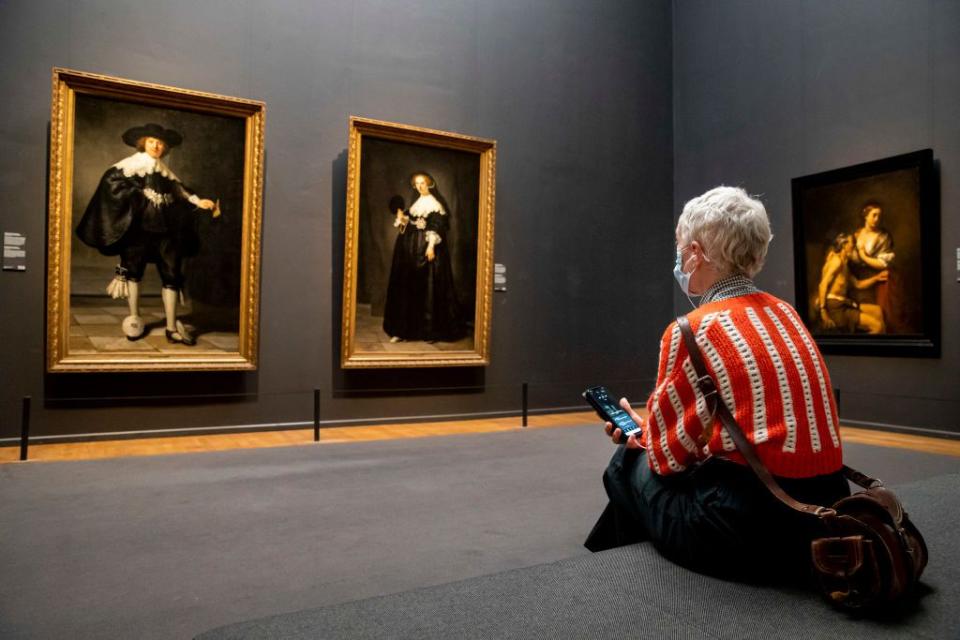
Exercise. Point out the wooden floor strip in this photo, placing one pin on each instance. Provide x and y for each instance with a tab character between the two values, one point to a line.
334	435
939	446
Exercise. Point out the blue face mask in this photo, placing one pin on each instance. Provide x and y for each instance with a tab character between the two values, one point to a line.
683	279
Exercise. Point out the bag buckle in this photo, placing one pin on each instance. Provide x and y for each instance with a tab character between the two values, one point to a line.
706	386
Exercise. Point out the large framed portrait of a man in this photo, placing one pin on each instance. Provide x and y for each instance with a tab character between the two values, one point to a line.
154	227
866	241
419	247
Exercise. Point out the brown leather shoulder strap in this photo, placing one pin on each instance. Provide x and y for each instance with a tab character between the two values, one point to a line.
708	387
861	479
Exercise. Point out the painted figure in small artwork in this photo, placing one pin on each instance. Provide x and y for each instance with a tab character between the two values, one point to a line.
143	213
421	301
855	293
839	288
873	256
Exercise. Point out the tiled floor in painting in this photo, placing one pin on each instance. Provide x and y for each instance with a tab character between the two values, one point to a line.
371	337
95	327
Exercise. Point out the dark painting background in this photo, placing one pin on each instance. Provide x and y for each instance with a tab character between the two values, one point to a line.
833	209
209	162
385	169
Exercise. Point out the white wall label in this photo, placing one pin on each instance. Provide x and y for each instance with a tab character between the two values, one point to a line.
499	277
14	251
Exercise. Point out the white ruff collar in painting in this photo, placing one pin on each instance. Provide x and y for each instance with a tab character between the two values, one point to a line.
425	205
142	164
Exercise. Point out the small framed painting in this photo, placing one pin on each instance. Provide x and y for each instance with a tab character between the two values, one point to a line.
866	245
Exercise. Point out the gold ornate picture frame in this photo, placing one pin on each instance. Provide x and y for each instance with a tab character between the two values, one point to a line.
418	254
154	226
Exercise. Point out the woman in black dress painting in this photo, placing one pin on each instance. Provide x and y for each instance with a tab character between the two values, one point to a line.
421	300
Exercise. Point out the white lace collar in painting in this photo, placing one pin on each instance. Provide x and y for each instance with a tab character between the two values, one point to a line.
142	164
425	205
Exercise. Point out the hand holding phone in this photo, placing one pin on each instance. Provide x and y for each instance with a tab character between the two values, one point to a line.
607	408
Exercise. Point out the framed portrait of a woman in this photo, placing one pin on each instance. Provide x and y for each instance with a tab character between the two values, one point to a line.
154	227
418	256
866	245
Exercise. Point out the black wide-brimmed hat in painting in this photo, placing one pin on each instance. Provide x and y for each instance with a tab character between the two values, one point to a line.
152	130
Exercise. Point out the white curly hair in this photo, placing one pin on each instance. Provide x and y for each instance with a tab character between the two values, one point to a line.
730	226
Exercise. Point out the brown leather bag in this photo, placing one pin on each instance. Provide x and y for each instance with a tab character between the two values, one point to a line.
872	555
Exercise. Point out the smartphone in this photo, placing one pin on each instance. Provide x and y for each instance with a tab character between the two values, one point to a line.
609	409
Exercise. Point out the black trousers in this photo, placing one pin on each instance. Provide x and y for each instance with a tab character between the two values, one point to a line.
716	518
142	247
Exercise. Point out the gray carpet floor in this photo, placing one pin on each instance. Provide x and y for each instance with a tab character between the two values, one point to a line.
170	546
633	592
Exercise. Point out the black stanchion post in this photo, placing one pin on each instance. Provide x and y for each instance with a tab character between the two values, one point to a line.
525	407
25	428
316	415
836	397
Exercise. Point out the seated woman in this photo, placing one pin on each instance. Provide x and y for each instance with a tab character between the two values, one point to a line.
683	485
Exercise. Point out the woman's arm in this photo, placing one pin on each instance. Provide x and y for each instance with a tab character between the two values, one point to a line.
677	411
616	433
435	226
870	261
882	254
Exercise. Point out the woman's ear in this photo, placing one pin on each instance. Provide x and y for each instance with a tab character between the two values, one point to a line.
697	250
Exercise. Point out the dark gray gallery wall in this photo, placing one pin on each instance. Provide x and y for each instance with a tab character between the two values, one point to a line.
768	91
577	95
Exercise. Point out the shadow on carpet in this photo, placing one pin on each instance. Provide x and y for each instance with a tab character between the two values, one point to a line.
633	592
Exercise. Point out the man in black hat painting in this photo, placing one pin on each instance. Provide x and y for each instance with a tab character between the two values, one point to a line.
143	213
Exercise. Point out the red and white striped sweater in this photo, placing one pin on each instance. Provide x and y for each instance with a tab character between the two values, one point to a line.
770	374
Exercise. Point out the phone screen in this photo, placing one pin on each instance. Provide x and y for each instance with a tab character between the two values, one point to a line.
608	409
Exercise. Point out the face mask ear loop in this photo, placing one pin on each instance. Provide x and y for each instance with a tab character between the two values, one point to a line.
705	259
689	299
